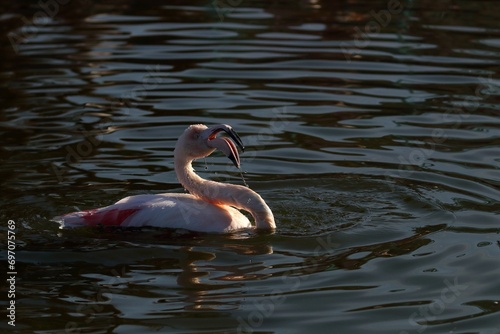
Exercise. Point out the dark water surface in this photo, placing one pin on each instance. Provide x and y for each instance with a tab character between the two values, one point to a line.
373	133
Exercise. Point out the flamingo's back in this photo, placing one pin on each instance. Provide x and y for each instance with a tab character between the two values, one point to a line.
162	210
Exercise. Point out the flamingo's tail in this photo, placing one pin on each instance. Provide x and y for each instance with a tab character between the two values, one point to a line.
107	216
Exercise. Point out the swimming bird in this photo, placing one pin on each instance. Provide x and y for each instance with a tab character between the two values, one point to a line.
209	207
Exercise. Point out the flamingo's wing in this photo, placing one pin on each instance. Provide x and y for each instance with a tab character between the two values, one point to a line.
163	210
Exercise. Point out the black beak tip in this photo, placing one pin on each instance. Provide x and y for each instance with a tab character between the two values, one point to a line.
233	134
234	160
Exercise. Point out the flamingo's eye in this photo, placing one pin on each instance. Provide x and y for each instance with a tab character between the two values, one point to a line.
196	135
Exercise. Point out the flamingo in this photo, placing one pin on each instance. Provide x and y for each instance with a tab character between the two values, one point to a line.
210	207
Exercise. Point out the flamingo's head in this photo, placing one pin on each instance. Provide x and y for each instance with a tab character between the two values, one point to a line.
199	141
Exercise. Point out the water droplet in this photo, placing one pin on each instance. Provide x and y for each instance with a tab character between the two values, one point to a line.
243	179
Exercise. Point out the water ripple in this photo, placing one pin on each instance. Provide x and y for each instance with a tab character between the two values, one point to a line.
374	142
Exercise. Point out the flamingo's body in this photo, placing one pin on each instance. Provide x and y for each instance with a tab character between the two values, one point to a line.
209	208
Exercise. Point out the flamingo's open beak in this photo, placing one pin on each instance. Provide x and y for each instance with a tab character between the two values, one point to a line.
226	145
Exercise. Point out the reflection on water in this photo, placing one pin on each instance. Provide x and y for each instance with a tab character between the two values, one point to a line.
371	129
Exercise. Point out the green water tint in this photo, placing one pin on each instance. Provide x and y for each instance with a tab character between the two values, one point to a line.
374	141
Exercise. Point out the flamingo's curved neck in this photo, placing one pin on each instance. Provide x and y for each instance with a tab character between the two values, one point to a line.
224	194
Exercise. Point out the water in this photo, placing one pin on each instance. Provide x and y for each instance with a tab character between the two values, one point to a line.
372	131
